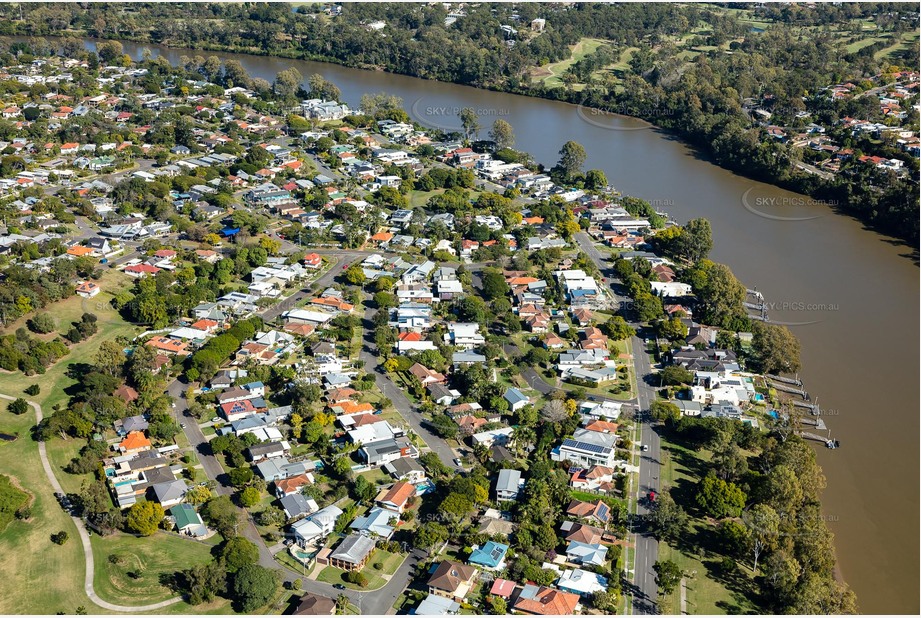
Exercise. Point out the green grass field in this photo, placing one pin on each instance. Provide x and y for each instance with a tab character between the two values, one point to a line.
143	563
11	500
709	591
54	381
551	72
40	577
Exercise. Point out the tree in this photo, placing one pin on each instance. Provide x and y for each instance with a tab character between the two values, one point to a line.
696	240
595	179
204	581
249	497
430	534
502	134
222	515
572	156
41	323
494	284
667	519
674	375
59	538
664	411
287	83
239	552
554	411
618	329
470	121
109	51
18	406
763	525
110	357
456	506
719	499
673	329
253	587
364	490
668	576
144	517
605	601
198	495
776	349
240	476
355	275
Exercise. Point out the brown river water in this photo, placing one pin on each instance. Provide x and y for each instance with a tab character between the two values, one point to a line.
849	294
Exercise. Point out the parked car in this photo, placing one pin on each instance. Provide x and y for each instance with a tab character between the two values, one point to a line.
645	447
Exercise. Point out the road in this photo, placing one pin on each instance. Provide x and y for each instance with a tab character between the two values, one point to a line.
395	394
647	548
89	574
344	259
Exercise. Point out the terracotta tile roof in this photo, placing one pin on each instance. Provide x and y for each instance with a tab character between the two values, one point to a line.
292	484
549	602
602	426
398	494
134	441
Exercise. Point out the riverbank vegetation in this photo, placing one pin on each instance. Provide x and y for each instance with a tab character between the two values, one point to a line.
696	70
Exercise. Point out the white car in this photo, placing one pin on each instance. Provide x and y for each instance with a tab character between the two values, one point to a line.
645	447
216	419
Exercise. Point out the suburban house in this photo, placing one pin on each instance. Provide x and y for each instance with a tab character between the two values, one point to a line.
316	526
591	554
588	448
396	497
315	605
376	523
434	605
134	442
516	399
405	469
452	579
543	601
352	553
596	511
490	556
296	505
187	521
384	451
88	289
508	484
582	583
170	493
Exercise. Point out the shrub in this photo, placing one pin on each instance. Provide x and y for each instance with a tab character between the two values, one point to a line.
33	390
18	406
41	323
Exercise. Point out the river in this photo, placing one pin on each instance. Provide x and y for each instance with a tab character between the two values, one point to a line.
850	295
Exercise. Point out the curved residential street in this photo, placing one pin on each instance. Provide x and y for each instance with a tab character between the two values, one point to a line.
85	538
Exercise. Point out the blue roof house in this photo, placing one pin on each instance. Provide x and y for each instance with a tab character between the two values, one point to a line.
490	556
